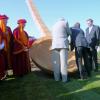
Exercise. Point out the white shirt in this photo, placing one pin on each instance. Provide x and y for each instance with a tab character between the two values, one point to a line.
90	28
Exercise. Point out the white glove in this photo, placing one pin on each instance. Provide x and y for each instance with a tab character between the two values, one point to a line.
98	48
69	39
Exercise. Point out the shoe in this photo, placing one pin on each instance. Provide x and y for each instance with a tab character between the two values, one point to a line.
83	78
57	80
68	80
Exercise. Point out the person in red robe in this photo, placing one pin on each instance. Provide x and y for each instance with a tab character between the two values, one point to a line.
7	37
2	60
21	61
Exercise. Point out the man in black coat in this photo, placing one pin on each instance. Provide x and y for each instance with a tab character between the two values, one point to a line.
78	41
93	38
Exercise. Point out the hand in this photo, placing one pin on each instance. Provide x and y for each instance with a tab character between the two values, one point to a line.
26	49
2	45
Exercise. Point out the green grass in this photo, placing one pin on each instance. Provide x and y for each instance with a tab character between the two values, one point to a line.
38	86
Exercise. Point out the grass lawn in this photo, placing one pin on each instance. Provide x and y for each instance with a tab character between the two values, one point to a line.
38	86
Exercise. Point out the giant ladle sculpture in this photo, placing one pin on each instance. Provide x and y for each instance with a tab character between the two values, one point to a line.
40	51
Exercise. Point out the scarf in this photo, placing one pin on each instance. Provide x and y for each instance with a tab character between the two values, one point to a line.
23	37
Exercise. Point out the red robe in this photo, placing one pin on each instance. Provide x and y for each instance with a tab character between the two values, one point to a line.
21	62
8	38
2	59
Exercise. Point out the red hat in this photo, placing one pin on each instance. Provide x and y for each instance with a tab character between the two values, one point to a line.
3	17
21	21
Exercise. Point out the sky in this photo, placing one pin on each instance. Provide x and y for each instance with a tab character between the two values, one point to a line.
50	11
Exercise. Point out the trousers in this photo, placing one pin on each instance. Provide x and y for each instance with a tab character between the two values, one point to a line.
59	63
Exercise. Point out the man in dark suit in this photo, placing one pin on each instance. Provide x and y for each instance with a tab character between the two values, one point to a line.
78	41
92	37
